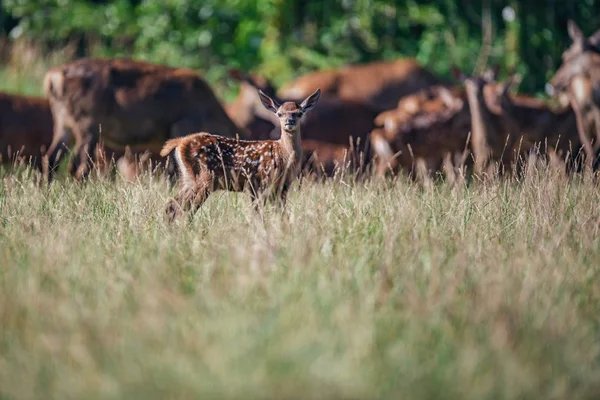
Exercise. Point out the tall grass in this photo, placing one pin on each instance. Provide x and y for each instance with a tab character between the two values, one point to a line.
380	289
356	290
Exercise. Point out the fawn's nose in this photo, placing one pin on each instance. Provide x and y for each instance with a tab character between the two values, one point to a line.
290	121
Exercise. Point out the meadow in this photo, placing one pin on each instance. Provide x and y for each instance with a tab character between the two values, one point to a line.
357	290
376	289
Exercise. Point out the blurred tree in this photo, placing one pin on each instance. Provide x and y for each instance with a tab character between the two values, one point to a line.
283	39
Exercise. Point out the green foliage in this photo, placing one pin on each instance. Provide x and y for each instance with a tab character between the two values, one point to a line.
283	39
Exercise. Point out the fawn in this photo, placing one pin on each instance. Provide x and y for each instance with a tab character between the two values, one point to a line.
209	162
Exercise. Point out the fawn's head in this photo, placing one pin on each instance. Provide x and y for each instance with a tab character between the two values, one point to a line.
290	113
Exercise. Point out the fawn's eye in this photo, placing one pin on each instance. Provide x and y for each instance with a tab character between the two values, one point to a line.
279	114
300	114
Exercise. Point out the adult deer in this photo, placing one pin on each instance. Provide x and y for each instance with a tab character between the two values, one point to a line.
247	110
126	103
492	136
428	129
579	77
267	167
550	132
25	129
379	84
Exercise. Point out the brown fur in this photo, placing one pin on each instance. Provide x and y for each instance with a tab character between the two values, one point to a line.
541	128
208	162
25	128
127	102
246	110
426	128
492	136
379	84
579	77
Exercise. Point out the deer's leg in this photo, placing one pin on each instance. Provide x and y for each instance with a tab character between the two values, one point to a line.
59	146
583	136
189	199
281	200
104	159
257	194
86	136
84	159
596	144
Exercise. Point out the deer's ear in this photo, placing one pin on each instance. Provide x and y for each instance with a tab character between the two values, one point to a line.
311	101
594	40
575	33
268	102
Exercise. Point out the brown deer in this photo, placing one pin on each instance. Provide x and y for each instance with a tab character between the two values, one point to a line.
492	136
429	128
208	162
126	102
333	135
25	129
579	77
548	131
379	84
247	110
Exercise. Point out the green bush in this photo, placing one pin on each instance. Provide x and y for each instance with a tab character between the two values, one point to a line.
283	39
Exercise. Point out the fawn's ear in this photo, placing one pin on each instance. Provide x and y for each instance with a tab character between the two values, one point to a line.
311	101
575	32
268	102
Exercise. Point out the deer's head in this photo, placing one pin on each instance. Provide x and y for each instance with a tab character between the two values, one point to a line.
290	113
481	88
580	43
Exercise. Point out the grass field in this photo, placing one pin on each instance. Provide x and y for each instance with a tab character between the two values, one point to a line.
358	290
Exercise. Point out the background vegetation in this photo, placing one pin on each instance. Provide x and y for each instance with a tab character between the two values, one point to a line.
359	290
283	39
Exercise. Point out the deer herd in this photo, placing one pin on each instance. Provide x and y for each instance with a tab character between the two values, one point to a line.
392	115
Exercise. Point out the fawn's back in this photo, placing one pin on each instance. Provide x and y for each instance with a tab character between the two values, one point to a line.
226	157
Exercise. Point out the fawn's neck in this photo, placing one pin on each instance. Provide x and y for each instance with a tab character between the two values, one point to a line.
291	144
